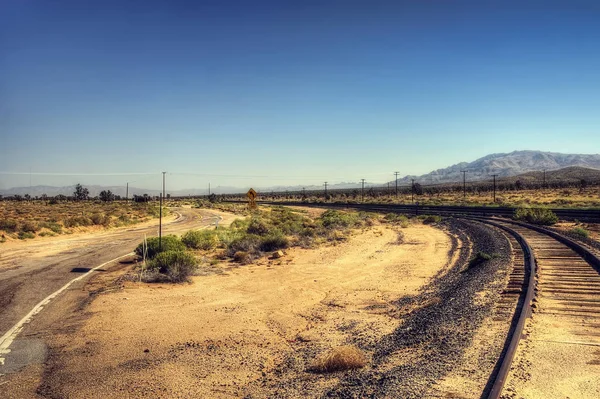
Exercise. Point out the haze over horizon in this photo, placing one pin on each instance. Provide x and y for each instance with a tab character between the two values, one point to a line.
286	93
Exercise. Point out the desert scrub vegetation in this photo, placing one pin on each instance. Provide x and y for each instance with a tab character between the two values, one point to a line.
168	262
346	357
541	216
579	232
48	218
273	229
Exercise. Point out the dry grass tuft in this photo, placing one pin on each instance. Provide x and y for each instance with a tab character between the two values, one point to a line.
338	359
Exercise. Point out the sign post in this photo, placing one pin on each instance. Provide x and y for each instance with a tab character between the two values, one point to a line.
251	194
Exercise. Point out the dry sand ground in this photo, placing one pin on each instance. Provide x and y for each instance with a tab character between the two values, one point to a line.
227	330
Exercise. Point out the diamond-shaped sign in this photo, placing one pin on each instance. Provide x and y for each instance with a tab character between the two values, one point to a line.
251	194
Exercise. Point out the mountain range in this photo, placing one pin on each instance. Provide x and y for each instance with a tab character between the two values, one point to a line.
504	165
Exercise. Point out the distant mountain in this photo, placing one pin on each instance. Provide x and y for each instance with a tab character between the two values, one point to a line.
572	174
506	165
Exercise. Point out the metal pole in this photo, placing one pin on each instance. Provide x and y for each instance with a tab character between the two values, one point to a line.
396	174
362	190
464	172
494	188
163	193
544	185
160	224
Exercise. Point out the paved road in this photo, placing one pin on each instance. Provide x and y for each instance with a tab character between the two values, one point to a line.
29	273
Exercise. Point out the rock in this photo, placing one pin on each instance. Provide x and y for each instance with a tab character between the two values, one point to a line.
277	254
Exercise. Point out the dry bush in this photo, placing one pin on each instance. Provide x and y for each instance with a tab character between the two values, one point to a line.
346	357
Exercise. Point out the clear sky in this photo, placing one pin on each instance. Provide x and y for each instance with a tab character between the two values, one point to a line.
289	92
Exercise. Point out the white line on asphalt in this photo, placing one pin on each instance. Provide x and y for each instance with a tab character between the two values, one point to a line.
8	338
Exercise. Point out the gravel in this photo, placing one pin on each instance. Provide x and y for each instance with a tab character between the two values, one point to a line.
436	328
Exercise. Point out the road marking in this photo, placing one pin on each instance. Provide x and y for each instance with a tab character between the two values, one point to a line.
8	338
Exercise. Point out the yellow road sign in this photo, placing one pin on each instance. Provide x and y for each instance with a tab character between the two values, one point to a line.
251	194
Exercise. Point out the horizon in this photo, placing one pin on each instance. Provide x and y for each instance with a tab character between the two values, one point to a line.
288	93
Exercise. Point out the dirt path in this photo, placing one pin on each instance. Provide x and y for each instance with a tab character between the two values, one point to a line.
225	333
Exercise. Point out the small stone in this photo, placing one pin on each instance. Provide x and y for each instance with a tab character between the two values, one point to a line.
277	254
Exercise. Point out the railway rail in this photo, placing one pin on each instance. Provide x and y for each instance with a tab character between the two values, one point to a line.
556	278
591	215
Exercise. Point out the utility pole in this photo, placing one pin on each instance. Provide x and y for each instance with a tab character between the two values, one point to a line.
412	189
160	223
396	174
127	193
544	185
464	172
388	189
325	190
362	190
494	187
208	188
163	193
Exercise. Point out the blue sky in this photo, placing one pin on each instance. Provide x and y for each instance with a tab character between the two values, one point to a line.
258	93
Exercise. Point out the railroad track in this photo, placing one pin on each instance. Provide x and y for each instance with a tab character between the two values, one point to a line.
591	215
564	297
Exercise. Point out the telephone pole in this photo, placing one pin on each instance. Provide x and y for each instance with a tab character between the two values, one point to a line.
494	176
160	223
362	190
544	185
412	189
127	193
325	190
208	188
396	174
163	193
464	172
388	189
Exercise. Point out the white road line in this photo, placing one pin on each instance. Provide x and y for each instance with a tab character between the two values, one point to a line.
8	338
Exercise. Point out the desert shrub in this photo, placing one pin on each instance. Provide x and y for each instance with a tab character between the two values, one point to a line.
579	232
240	224
542	216
75	221
430	219
8	225
247	243
200	239
100	219
53	226
273	242
168	243
25	234
47	234
479	258
338	359
29	227
176	265
242	257
258	227
395	218
337	219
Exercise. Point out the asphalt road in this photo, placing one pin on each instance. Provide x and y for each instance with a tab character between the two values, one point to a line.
30	273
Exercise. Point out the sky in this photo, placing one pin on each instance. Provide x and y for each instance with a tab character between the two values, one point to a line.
264	93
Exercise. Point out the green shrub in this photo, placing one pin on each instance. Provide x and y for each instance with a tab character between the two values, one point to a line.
176	265
579	232
337	219
75	221
200	239
479	258
53	226
258	227
25	234
29	227
8	225
273	242
247	243
542	216
169	243
430	219
100	219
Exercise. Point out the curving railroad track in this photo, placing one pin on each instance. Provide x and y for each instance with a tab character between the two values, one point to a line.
558	351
